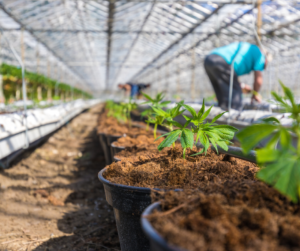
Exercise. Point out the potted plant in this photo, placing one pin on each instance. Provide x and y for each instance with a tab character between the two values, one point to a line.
128	184
257	213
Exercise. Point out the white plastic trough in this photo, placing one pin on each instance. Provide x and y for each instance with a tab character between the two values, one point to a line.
41	122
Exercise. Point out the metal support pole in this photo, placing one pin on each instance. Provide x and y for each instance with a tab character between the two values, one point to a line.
24	90
193	73
2	97
259	18
178	77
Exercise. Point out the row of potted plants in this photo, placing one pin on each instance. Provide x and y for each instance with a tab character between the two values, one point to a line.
12	80
206	200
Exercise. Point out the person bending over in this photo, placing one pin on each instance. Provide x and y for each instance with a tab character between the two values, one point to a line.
246	58
133	89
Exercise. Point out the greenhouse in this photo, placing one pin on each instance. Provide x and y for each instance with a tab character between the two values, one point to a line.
149	125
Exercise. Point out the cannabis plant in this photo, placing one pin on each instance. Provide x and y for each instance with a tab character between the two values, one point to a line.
127	108
279	159
157	101
152	116
165	117
206	133
116	111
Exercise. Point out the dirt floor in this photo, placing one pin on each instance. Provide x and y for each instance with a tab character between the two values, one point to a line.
51	198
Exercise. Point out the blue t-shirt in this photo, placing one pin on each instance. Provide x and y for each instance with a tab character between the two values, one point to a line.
248	57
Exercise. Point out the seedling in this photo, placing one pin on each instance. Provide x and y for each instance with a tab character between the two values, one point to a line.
127	108
148	113
169	115
154	118
280	166
157	101
206	132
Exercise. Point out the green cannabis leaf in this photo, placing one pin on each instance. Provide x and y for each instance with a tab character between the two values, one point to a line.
217	135
186	138
280	165
157	101
206	133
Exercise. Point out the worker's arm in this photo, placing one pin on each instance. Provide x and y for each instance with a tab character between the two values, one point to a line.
127	88
258	81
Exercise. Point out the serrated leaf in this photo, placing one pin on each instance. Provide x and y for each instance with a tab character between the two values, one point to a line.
226	127
204	141
223	145
273	141
162	136
215	136
285	138
168	141
288	93
278	98
284	175
204	116
160	112
201	111
217	117
187	117
198	153
271	120
191	110
165	103
213	142
175	123
187	139
266	155
186	123
252	135
147	97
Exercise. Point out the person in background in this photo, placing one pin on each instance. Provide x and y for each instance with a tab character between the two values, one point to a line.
247	58
133	89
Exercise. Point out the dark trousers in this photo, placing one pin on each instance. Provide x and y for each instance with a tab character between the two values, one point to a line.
218	71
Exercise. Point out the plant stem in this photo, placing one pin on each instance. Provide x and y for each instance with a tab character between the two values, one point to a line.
184	149
147	128
171	128
154	131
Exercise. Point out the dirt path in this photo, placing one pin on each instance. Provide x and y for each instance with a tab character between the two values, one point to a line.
52	199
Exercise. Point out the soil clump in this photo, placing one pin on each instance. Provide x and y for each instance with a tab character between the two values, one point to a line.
236	215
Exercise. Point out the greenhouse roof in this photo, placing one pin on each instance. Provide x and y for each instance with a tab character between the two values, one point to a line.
96	44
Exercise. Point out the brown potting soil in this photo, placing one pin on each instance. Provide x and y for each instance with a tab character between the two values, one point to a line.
133	154
111	126
167	169
235	215
141	141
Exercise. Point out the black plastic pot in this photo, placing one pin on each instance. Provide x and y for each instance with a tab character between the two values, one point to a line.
128	203
157	242
116	159
105	141
115	149
102	139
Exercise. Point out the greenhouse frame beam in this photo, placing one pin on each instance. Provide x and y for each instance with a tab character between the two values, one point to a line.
134	41
2	7
110	20
201	40
177	41
271	32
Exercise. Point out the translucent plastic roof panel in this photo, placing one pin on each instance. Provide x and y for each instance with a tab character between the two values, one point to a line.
96	44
